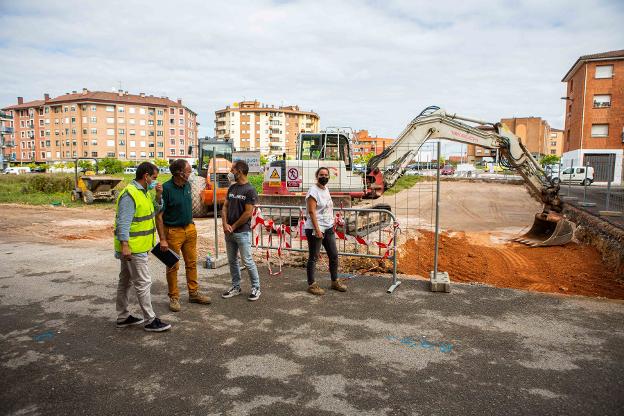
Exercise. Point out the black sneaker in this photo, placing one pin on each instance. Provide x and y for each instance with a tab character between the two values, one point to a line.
130	320
255	294
233	291
157	326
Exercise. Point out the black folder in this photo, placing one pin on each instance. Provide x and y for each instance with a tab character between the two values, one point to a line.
169	257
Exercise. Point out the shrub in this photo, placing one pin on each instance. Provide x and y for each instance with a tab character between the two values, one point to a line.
49	183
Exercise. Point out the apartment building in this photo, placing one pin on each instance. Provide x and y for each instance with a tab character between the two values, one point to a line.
364	144
7	145
594	122
555	142
272	130
534	133
99	124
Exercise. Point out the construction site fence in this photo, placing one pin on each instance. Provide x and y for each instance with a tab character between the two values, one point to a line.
360	232
594	183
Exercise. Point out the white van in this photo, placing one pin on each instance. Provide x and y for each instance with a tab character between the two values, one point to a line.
130	171
575	174
16	170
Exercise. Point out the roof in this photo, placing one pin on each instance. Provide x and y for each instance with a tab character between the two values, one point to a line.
104	97
35	103
289	109
612	55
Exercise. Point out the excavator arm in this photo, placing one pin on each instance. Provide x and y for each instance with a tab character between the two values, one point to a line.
434	123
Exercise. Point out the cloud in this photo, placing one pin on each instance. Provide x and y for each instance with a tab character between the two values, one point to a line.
366	64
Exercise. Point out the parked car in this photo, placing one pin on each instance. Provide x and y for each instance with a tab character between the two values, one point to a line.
447	170
576	174
164	170
130	171
16	170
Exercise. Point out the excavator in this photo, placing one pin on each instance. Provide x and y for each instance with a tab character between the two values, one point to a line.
332	149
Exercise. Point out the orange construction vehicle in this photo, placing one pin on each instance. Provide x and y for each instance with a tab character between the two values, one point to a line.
215	159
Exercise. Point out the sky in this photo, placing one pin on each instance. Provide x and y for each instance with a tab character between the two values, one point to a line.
364	64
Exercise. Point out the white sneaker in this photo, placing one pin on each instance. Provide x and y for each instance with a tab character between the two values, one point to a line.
255	294
233	291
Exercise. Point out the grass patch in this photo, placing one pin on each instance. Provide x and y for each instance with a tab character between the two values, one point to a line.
404	182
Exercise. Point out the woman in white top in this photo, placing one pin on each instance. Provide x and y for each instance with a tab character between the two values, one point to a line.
319	229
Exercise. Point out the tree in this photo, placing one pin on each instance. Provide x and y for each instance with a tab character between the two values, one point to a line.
85	165
263	160
111	165
161	163
363	159
549	160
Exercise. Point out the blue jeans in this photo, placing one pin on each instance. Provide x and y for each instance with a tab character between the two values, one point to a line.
241	242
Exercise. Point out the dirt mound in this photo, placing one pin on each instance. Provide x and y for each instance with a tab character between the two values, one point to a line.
570	269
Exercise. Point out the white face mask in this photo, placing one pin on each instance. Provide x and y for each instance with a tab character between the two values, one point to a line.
231	177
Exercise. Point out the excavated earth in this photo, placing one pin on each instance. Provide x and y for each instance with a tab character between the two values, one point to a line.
477	257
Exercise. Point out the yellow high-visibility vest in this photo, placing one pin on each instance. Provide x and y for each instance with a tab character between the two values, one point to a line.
143	226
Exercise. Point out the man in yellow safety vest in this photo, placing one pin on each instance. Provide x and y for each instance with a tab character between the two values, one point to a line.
135	236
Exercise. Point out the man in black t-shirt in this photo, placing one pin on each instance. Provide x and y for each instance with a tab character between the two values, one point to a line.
236	217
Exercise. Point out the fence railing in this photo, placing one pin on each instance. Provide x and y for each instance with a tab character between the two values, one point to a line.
360	232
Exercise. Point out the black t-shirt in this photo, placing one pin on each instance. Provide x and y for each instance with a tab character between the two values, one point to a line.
238	196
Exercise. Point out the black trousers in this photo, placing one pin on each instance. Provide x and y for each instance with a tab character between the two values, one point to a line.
314	248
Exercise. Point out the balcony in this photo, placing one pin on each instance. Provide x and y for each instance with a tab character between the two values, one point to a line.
6	130
5	115
9	144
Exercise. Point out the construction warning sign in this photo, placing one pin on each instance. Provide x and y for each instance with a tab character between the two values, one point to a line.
273	176
293	178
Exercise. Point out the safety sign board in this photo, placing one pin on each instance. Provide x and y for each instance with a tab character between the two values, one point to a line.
273	176
293	178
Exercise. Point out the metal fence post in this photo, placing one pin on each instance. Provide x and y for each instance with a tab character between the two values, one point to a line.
570	179
440	281
585	203
214	199
609	183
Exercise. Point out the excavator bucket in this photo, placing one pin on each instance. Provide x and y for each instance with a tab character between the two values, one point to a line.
553	231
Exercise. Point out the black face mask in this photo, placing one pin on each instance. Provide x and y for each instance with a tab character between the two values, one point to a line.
323	180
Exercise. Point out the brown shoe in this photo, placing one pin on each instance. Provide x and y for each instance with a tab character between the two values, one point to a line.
315	289
197	297
174	304
339	286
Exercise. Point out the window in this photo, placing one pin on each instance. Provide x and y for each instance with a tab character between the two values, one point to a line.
93	119
553	151
110	132
160	133
181	152
141	122
142	144
110	120
600	130
161	144
66	120
161	155
84	120
172	141
604	71
122	154
141	110
172	121
121	109
94	142
601	101
84	131
131	121
132	143
553	143
110	108
160	112
73	120
142	154
93	131
181	142
83	107
150	122
143	133
121	120
65	109
172	111
172	152
151	133
131	132
182	132
110	154
181	122
122	132
172	132
41	122
132	154
94	108
73	108
159	122
110	143
131	110
122	143
150	145
151	154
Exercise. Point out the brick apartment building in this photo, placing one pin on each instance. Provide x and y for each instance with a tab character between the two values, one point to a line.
99	124
594	119
272	130
7	145
364	144
555	142
534	132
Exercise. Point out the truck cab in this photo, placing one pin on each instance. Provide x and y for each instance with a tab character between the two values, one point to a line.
214	163
330	149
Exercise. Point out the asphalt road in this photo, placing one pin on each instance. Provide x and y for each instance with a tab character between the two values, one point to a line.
478	350
598	195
